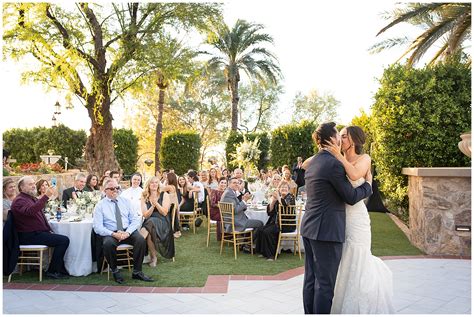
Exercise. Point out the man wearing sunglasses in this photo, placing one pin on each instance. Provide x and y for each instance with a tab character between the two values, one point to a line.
116	222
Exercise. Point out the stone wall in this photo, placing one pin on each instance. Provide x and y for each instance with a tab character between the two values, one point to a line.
440	200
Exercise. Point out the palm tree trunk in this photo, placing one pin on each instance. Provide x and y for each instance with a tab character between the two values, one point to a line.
159	127
234	92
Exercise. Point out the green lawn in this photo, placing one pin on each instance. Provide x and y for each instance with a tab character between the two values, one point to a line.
194	261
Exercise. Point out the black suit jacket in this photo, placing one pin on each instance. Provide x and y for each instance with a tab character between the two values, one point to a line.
328	190
67	194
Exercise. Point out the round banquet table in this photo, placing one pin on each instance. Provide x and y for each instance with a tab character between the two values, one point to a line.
78	257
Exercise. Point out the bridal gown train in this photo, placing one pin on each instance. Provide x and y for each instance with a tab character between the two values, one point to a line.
364	282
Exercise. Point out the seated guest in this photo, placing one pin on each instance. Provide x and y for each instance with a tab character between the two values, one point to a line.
70	193
216	196
41	187
267	236
213	178
241	220
204	178
225	173
116	222
156	208
9	193
287	178
238	173
92	183
33	228
187	202
134	192
175	199
196	186
272	187
106	173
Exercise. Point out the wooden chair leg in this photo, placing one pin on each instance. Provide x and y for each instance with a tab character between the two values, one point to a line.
278	246
222	242
41	266
208	233
10	277
251	243
128	261
235	247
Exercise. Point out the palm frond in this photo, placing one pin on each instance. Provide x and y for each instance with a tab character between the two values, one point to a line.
387	44
417	11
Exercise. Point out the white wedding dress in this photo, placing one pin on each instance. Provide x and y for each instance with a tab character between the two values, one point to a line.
364	282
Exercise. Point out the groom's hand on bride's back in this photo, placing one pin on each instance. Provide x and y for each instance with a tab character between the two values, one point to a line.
368	177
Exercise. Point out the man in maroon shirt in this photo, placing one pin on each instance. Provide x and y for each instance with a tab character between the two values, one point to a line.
32	226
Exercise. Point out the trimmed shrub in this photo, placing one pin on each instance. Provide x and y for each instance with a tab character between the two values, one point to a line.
235	138
290	141
27	145
417	118
180	151
126	149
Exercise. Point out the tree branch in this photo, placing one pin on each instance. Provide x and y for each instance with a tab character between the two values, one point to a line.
67	40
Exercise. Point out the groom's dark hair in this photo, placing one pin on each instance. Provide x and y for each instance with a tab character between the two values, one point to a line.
324	132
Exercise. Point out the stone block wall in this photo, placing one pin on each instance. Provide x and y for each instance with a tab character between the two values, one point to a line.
440	200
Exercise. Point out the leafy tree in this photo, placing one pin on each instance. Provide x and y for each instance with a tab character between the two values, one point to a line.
257	106
126	149
241	49
417	118
445	23
95	52
314	107
365	122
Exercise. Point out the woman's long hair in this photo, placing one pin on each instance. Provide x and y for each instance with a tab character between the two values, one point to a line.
147	192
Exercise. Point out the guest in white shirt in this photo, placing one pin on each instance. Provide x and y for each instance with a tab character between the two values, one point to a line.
134	192
116	222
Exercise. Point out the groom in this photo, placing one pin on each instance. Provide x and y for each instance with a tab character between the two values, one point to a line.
323	224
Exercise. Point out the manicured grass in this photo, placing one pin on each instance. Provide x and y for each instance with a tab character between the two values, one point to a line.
388	239
194	261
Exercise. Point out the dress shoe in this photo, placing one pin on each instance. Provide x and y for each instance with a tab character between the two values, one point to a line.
56	275
118	277
141	276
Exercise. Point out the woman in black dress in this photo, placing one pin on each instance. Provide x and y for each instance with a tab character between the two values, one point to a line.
156	208
267	236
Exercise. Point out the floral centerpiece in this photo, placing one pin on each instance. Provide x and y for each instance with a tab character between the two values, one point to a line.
85	202
247	156
51	207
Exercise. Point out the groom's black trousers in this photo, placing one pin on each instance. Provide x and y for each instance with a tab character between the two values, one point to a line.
322	260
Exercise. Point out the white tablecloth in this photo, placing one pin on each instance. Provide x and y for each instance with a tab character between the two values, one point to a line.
260	213
78	257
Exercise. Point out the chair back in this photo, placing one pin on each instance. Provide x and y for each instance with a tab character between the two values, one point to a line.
227	215
289	218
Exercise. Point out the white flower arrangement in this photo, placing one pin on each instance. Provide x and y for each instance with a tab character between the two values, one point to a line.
86	201
247	155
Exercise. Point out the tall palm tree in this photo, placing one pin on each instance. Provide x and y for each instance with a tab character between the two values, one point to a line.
448	22
239	49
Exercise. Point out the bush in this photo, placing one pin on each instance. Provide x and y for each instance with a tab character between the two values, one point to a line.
180	151
27	145
235	138
126	150
290	141
364	121
417	118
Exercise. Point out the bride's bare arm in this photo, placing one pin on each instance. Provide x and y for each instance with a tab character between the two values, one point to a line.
354	171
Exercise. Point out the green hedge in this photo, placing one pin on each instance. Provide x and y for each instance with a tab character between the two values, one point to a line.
26	145
417	118
235	138
180	151
126	150
290	141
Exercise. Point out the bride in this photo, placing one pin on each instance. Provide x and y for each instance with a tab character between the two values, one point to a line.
364	282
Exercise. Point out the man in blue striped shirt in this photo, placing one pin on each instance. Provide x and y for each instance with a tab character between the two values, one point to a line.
115	220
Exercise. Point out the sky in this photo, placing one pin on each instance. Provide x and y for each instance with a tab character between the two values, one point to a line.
319	45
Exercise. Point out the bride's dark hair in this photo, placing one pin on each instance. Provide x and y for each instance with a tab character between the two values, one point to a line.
358	137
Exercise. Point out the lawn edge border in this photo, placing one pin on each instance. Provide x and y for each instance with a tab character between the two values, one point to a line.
214	284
